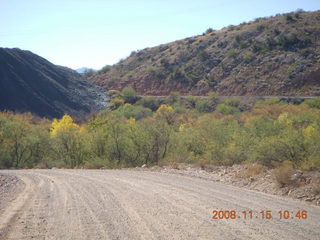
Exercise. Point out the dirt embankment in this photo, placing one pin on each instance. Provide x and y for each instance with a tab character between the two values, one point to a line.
301	185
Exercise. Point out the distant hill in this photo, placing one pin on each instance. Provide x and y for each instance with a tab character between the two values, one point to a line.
269	56
33	84
84	69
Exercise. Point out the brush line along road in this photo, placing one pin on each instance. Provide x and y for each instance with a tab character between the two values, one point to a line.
128	204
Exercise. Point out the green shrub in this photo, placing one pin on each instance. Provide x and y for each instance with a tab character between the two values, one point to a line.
227	109
290	146
152	103
313	103
249	56
232	53
209	30
129	95
105	69
131	111
232	102
204	106
116	103
265	102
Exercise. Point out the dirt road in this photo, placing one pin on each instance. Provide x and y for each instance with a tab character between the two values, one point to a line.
118	204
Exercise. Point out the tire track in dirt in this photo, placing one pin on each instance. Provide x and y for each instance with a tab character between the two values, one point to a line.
119	204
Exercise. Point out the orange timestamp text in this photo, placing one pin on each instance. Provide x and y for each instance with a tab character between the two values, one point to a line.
263	214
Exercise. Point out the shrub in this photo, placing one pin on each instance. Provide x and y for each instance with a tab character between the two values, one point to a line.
232	102
227	109
232	53
114	93
204	106
191	101
253	170
68	142
203	55
290	18
259	47
167	113
283	174
249	56
288	146
116	103
291	42
209	30
173	98
265	102
130	111
105	69
152	103
129	95
313	103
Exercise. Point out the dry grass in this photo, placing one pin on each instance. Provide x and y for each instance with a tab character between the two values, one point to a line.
252	170
316	189
283	174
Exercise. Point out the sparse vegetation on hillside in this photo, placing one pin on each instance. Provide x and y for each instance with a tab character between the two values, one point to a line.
269	56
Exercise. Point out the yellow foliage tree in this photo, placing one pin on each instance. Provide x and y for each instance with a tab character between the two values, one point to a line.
284	119
64	124
166	112
309	131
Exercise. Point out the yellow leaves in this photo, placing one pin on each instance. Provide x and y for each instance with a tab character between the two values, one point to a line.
309	131
164	109
116	103
284	119
64	124
132	121
165	112
182	127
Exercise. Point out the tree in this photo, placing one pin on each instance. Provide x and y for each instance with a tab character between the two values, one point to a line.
166	112
129	95
68	142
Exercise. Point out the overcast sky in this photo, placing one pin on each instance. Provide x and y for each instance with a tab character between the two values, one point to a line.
94	33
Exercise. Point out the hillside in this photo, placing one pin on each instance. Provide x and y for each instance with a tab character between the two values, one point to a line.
269	56
33	84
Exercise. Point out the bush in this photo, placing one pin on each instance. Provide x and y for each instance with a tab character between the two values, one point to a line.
132	135
129	95
253	170
233	102
283	174
265	102
105	69
209	30
227	109
249	56
289	146
204	106
152	103
173	98
131	111
116	103
313	103
203	55
290	18
232	53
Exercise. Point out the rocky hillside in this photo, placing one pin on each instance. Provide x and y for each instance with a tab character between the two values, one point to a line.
29	83
279	55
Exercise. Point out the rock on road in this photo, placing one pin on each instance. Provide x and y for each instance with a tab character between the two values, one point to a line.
127	204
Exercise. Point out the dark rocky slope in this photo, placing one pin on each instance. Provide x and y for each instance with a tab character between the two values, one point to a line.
278	55
30	83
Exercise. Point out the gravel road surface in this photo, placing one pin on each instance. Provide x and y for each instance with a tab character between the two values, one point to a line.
128	204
